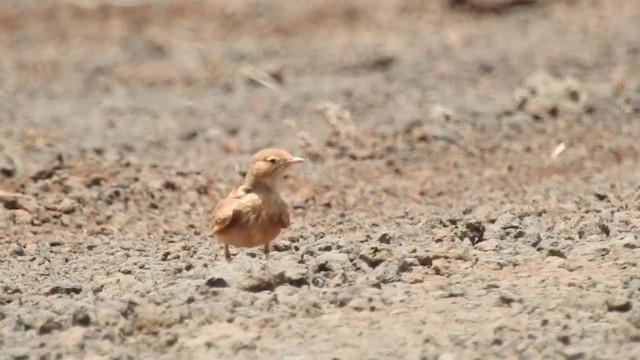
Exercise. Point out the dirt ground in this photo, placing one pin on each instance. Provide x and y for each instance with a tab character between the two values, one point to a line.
471	189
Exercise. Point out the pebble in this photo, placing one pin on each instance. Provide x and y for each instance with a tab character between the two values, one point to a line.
618	303
333	261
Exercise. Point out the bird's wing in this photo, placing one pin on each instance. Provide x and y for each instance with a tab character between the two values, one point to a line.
222	214
231	207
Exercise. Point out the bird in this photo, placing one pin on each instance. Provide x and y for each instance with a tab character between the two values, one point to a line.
254	214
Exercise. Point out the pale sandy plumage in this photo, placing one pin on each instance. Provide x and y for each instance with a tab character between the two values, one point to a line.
254	214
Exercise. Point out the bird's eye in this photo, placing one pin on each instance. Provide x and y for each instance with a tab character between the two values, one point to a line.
272	160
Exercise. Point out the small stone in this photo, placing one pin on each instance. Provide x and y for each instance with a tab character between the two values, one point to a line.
65	289
216	282
375	256
440	234
630	242
444	267
412	277
29	204
573	354
387	272
287	295
556	253
507	298
408	263
508	221
72	337
19	353
384	238
618	303
17	250
332	261
260	283
447	356
296	276
170	339
49	326
634	318
474	231
358	304
338	279
455	291
21	216
67	206
81	318
281	245
487	245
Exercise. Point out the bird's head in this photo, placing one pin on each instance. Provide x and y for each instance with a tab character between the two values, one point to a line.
266	165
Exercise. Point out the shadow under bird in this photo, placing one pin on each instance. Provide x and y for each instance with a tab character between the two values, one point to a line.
254	213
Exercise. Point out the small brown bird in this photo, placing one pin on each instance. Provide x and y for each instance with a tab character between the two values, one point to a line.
254	214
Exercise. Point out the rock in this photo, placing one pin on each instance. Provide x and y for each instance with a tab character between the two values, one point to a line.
507	298
358	304
17	250
412	277
22	217
338	278
440	234
618	303
553	252
65	289
444	267
454	291
296	276
260	282
474	231
18	353
109	313
384	238
81	317
534	239
508	221
447	356
170	339
216	282
572	353
374	256
634	317
333	261
151	318
387	272
488	245
50	325
67	206
407	264
339	297
596	227
281	245
424	259
71	338
287	295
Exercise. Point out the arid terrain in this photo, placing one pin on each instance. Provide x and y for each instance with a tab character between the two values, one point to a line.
471	189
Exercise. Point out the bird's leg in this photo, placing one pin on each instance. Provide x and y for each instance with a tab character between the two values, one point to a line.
267	250
227	255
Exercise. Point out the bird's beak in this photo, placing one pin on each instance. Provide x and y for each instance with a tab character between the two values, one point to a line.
294	160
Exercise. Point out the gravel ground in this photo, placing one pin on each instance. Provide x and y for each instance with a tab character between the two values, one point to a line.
471	190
